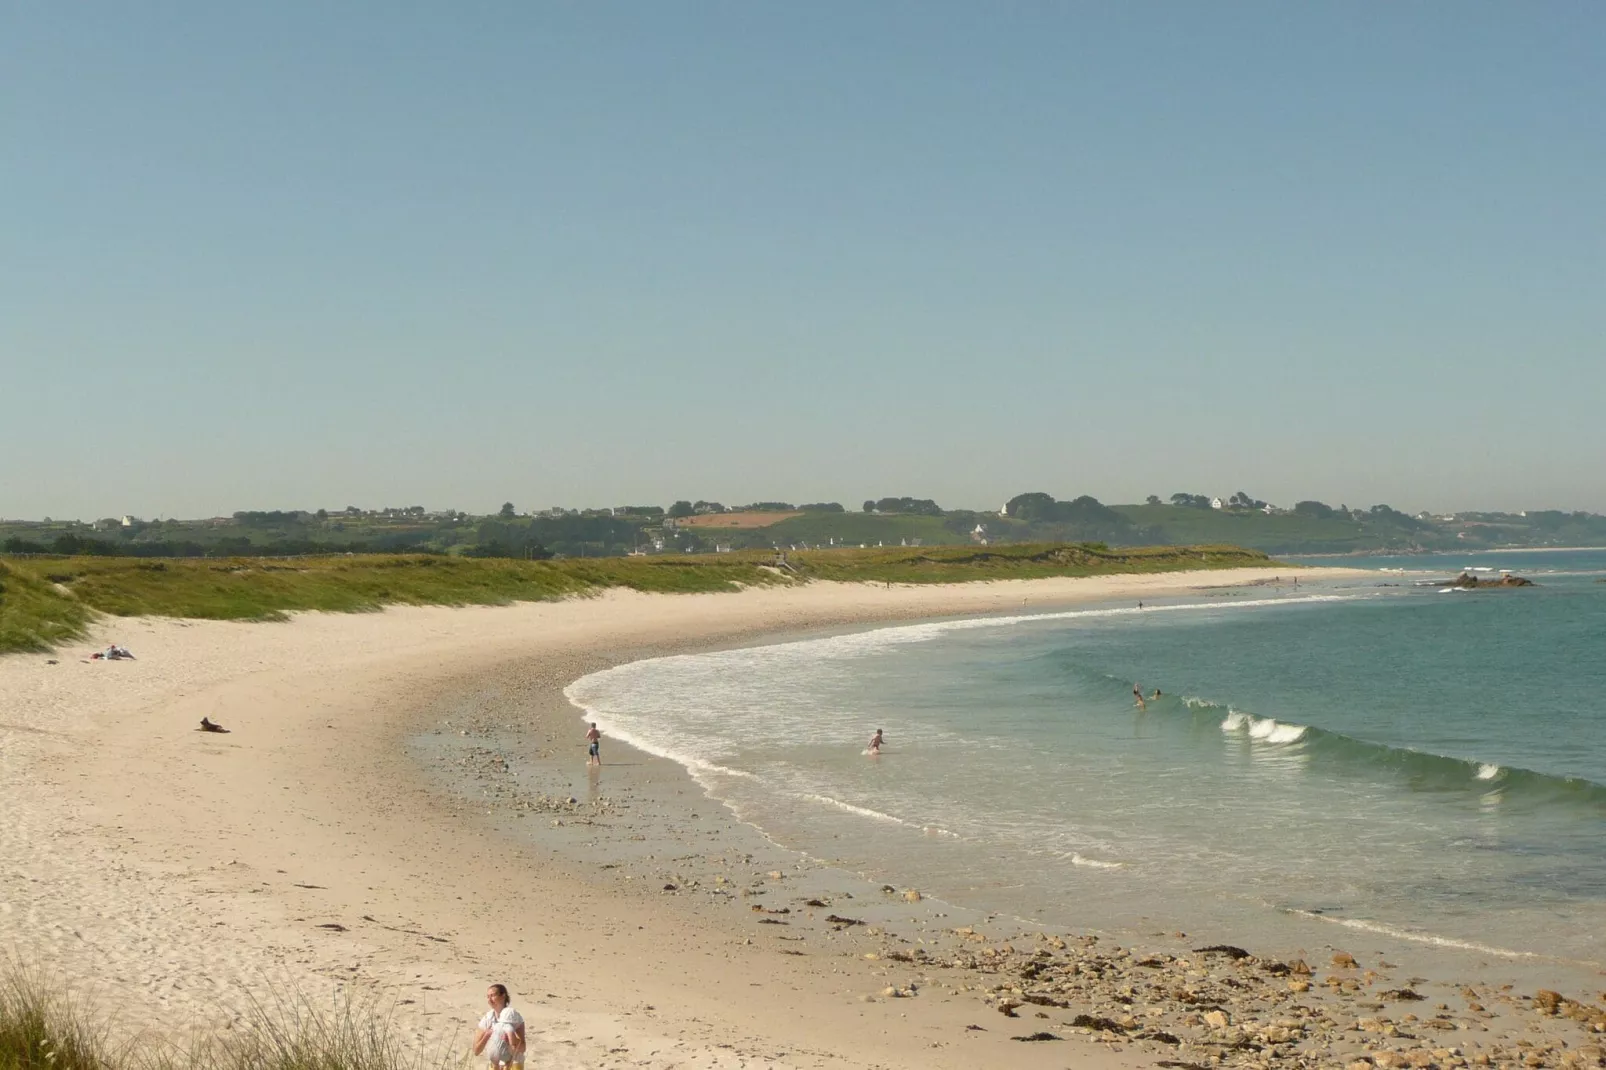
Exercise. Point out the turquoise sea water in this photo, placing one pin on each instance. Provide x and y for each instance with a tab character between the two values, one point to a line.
1369	755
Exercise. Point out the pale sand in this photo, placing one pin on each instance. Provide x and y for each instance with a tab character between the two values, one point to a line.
174	874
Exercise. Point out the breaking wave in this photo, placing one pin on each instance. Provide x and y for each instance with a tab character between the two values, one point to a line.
1421	770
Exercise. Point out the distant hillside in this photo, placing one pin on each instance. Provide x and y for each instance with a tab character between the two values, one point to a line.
1309	527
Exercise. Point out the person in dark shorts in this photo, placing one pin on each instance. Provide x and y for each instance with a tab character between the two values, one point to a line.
594	745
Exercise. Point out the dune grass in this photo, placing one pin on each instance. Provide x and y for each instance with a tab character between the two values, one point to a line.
45	601
953	564
44	1027
34	615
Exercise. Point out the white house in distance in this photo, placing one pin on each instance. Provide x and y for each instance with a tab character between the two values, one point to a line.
1216	503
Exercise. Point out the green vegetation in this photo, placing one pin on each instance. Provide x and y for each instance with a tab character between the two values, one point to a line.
1276	533
853	529
46	601
33	614
949	564
1309	527
41	1028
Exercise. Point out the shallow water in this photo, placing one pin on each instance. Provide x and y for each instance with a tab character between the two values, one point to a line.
1425	766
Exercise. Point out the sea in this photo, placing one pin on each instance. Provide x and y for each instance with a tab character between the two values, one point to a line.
1328	763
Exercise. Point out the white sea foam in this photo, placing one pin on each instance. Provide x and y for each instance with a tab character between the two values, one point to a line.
1488	771
1091	863
1263	729
862	811
1363	925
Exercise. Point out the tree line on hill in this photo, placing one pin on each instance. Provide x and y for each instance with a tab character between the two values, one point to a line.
1310	526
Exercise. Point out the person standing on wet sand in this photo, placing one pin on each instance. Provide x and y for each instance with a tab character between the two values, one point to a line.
500	1037
594	745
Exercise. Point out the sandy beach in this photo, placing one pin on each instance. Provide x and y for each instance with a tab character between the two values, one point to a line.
367	830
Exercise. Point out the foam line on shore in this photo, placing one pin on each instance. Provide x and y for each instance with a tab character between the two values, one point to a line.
1431	939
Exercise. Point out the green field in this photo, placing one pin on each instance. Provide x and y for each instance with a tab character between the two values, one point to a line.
852	529
1275	533
45	601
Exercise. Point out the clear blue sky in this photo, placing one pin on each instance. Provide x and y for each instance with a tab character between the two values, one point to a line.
298	255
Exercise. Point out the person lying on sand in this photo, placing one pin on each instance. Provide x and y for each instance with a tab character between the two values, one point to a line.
210	726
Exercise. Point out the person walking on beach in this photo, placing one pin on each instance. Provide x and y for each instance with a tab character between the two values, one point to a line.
875	742
594	748
501	1032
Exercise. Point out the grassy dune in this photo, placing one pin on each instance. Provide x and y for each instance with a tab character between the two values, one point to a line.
45	601
955	564
34	615
43	1027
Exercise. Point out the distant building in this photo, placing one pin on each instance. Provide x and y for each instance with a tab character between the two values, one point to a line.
1216	503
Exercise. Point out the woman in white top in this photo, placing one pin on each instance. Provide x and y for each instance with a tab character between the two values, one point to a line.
501	1034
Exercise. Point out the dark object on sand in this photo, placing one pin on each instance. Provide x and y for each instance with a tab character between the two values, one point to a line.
208	726
1038	1036
1231	952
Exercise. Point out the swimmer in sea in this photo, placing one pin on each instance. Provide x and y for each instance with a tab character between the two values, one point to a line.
1137	693
1155	696
875	742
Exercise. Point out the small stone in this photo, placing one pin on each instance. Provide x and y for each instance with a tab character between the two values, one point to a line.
1216	1019
1344	960
911	896
1299	985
